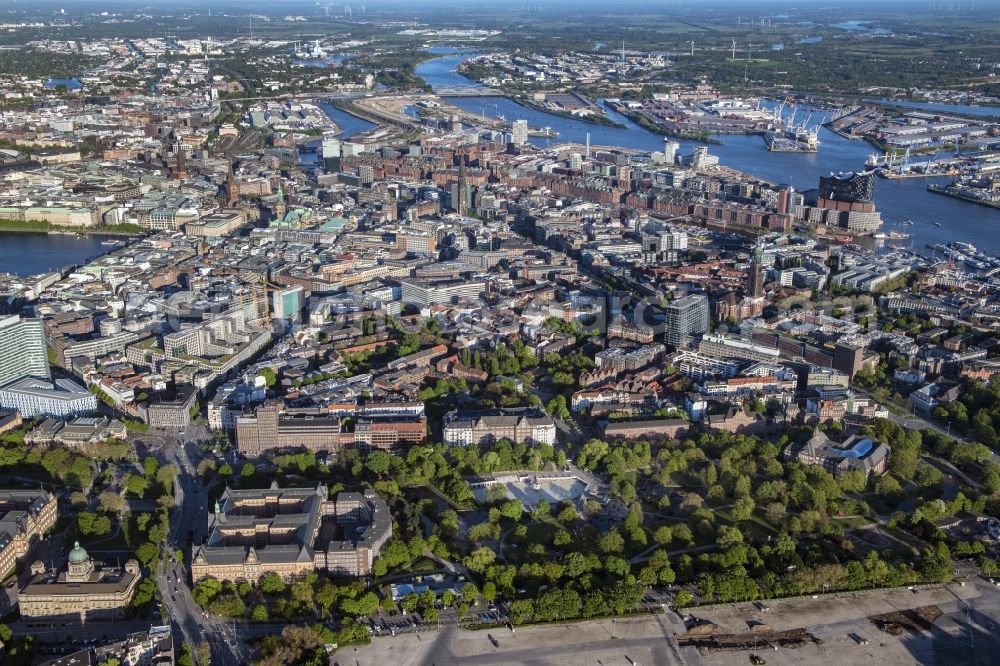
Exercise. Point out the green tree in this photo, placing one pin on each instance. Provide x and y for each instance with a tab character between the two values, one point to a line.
269	376
512	509
479	559
147	552
111	502
272	583
611	542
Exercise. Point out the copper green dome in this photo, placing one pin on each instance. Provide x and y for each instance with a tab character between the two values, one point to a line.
78	555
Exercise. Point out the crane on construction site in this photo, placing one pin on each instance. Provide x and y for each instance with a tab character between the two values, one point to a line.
265	284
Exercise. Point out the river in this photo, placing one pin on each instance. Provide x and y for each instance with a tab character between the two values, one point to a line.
349	125
897	200
32	253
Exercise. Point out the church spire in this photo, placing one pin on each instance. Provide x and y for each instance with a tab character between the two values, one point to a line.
232	189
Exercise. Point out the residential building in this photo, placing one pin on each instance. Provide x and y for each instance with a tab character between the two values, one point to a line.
154	647
652	429
628	360
685	319
929	396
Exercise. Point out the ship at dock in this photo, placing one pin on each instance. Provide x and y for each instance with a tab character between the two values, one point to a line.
893	165
787	137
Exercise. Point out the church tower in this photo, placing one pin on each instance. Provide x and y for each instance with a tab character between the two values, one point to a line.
232	189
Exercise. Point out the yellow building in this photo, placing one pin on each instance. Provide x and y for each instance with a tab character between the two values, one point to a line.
290	532
25	516
83	591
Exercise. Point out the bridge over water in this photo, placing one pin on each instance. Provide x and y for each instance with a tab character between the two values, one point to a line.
465	91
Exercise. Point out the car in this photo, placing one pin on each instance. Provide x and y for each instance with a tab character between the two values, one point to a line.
756	660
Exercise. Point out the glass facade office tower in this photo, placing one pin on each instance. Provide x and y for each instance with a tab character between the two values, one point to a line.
22	350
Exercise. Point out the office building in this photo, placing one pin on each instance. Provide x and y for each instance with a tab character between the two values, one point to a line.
22	350
487	427
723	346
270	429
670	148
686	318
855	453
288	303
41	397
25	517
424	293
84	592
848	358
519	132
291	532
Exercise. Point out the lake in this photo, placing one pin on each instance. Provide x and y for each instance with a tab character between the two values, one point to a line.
897	200
29	253
862	26
69	84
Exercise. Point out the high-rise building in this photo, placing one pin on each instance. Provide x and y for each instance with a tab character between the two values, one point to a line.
288	303
848	358
785	202
670	149
849	187
331	148
686	318
519	132
22	350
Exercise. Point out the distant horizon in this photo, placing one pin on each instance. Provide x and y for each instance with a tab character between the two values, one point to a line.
959	6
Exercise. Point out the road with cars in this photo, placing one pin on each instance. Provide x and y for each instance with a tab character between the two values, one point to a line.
189	525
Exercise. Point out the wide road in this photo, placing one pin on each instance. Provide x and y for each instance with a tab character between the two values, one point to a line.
188	524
